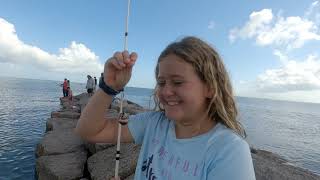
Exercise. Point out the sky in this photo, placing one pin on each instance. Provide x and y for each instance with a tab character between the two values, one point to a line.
270	48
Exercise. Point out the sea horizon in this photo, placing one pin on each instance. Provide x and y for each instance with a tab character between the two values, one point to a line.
237	96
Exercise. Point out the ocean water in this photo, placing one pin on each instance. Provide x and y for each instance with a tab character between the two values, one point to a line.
25	105
289	129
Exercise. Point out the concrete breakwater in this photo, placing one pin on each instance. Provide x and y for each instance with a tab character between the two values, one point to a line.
62	155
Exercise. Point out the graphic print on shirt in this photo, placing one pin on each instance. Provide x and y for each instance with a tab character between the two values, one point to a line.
169	163
147	169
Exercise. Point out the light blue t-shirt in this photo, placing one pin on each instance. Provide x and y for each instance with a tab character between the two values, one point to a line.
219	154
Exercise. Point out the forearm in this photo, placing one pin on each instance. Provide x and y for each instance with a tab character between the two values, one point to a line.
92	119
92	123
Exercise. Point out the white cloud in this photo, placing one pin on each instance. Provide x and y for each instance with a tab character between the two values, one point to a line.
76	59
291	32
258	23
288	32
295	79
211	25
292	76
313	12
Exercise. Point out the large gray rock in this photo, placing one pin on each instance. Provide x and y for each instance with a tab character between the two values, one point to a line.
133	110
269	166
80	96
125	102
61	167
60	124
68	105
131	177
83	99
101	165
71	107
59	142
111	113
96	147
130	108
65	114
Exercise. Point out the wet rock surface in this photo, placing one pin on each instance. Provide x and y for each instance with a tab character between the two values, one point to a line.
63	166
269	166
60	124
59	142
102	164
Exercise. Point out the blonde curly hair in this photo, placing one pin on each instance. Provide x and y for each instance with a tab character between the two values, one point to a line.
210	68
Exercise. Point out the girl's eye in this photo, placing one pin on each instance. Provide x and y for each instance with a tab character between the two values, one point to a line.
177	82
160	83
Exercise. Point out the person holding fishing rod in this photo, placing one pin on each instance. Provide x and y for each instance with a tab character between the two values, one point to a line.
193	134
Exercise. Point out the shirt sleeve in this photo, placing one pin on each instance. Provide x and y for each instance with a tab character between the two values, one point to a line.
233	162
137	125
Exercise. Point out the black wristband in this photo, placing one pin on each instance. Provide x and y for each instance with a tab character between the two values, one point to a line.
107	89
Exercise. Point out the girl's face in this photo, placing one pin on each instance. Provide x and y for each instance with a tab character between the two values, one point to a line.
180	90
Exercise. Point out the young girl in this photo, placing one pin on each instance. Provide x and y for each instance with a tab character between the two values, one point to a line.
194	135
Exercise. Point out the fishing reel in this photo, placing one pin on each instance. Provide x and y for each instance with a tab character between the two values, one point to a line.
123	118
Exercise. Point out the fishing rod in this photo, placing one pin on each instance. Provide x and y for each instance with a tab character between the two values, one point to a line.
122	117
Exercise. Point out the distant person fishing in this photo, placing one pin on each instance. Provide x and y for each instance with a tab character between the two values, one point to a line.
65	86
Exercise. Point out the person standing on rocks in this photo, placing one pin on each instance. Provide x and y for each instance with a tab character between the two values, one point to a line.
65	87
195	133
90	85
95	83
101	76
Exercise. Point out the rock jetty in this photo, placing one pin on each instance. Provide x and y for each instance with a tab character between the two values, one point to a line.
62	155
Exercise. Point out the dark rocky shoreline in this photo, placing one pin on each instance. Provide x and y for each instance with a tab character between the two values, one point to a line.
62	155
